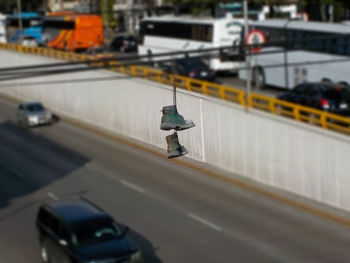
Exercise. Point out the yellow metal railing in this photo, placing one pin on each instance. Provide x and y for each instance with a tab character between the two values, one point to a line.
277	107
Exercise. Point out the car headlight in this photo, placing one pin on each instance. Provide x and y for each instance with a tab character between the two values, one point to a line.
136	257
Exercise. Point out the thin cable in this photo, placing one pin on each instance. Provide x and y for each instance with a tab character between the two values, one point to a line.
66	71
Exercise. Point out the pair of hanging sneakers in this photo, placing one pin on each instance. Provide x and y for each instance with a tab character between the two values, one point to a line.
171	119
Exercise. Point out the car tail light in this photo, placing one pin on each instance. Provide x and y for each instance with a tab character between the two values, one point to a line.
324	104
192	74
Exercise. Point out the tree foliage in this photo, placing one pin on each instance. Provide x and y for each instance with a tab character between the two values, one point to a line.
109	13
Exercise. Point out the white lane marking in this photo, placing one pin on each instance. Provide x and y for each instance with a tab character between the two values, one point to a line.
52	195
204	222
132	186
114	178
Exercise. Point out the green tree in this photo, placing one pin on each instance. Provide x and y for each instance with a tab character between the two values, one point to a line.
108	14
315	8
196	7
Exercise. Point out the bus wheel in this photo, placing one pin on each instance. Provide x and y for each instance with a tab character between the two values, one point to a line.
258	78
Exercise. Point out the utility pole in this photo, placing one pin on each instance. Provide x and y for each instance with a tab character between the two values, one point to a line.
247	52
286	70
19	12
105	13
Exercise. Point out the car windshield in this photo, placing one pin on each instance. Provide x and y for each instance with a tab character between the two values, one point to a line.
95	231
35	107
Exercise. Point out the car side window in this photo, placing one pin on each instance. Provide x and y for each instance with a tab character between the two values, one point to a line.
49	221
310	91
180	69
117	39
299	90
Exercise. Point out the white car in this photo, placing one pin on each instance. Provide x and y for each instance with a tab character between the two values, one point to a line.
29	41
33	114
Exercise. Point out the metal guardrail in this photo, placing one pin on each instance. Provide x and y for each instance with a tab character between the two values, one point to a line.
299	113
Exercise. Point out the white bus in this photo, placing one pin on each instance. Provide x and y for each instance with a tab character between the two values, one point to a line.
2	28
170	34
311	54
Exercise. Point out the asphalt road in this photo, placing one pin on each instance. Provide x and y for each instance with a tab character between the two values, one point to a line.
175	214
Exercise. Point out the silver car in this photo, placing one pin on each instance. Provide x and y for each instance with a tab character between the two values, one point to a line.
33	114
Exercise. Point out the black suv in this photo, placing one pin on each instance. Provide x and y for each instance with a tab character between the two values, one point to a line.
331	97
75	230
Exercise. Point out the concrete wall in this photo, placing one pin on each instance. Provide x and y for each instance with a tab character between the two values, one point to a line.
293	156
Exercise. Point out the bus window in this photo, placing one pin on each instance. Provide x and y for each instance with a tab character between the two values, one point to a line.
347	50
339	45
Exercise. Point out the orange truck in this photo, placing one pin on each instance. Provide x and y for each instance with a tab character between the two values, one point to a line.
73	32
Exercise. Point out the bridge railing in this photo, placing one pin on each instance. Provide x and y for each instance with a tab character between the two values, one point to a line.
274	106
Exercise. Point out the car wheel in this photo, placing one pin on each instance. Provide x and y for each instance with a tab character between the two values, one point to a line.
44	254
66	47
258	78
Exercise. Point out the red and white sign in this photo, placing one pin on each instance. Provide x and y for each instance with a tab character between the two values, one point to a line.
303	16
255	37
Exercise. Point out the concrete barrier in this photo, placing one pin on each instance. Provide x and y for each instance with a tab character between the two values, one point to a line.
270	149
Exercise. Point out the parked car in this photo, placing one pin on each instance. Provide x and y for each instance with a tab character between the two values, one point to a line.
331	97
124	43
192	68
76	230
33	114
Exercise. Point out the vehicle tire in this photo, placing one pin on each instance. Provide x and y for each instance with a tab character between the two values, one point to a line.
258	78
66	47
344	83
44	254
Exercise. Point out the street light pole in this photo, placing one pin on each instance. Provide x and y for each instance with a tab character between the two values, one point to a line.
286	73
19	12
105	13
247	52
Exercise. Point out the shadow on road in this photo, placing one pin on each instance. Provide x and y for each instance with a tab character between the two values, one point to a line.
29	161
148	250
